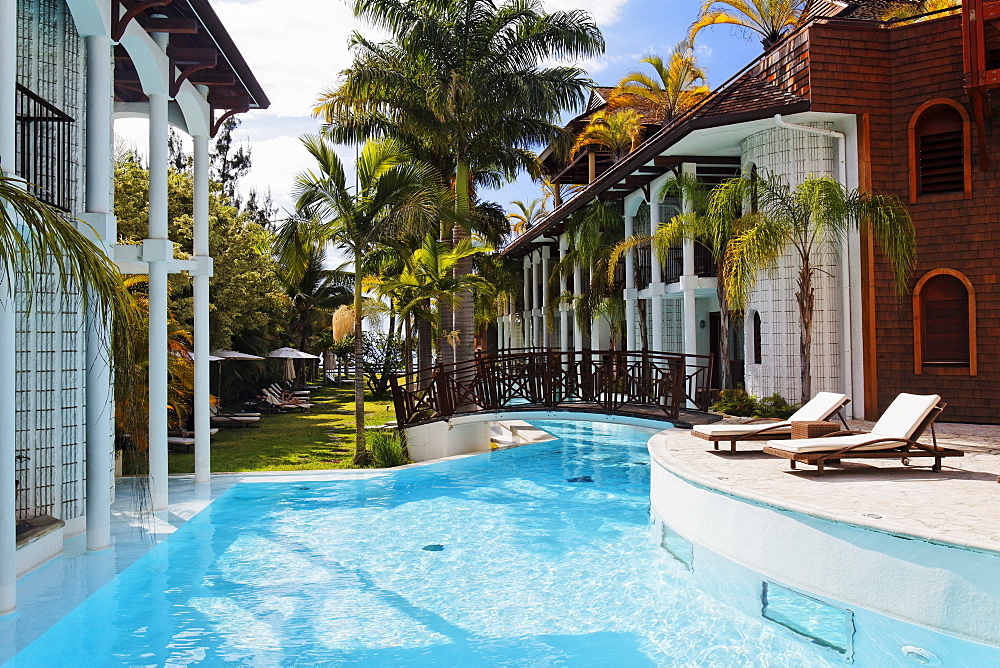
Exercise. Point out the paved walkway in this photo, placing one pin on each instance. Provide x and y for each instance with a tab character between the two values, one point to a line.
958	505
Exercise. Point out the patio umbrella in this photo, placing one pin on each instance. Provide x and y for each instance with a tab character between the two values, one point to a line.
292	353
223	355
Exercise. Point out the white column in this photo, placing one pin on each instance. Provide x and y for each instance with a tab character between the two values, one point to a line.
99	411
202	417
656	280
536	302
629	288
563	312
8	322
688	282
577	290
527	302
157	246
544	287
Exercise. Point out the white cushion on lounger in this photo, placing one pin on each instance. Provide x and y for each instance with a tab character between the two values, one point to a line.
829	443
905	414
900	420
717	430
820	407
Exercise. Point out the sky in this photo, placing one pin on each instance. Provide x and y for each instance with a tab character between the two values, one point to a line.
296	49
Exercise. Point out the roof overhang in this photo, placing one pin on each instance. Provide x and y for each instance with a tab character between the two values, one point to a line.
694	139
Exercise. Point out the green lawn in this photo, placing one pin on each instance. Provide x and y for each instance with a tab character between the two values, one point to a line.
320	438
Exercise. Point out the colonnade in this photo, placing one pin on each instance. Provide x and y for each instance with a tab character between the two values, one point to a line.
155	257
537	272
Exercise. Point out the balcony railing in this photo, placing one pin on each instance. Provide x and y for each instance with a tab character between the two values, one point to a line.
673	268
44	141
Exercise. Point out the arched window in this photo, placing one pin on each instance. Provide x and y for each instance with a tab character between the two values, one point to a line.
754	195
944	328
757	356
939	134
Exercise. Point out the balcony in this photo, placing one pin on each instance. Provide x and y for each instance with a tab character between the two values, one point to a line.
673	268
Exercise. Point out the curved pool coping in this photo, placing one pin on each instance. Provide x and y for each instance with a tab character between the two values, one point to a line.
659	452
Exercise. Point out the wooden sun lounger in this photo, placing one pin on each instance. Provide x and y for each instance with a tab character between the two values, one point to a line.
907	449
767	432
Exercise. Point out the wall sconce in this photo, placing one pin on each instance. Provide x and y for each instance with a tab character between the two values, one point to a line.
702	324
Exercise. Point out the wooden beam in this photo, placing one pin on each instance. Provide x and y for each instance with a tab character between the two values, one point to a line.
169	25
120	21
210	78
188	61
670	161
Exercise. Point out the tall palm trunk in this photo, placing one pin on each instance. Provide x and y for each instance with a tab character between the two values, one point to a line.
725	317
408	345
464	312
425	348
643	325
360	452
805	298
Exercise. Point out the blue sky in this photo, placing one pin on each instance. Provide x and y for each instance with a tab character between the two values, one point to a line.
297	48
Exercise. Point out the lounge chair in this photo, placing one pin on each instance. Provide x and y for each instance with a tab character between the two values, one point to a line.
894	436
285	390
280	403
234	419
183	439
821	407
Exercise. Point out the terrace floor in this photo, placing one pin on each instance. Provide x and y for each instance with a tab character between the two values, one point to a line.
958	505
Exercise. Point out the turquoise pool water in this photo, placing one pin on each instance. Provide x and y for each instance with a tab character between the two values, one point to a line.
536	556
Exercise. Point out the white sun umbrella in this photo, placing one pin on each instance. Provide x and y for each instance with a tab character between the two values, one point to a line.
290	355
222	355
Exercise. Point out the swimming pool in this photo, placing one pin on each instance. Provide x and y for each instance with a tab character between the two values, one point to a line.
539	555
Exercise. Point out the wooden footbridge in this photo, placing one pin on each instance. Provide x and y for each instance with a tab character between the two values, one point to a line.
639	383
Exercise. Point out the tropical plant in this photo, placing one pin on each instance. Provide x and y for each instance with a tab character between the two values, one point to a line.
809	220
430	277
676	86
715	228
910	10
594	232
312	290
527	215
618	131
741	403
771	19
462	84
39	242
393	193
387	448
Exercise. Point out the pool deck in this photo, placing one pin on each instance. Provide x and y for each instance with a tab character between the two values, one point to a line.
959	505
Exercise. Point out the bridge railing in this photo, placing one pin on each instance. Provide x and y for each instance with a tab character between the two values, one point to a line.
546	378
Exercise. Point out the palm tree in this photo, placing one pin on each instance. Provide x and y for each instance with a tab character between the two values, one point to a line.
916	9
463	80
311	289
37	239
394	192
810	220
679	84
527	214
771	19
428	276
618	131
594	232
713	227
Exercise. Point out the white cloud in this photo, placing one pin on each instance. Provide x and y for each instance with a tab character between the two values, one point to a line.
605	12
294	48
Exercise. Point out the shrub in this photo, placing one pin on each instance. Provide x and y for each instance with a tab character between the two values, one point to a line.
386	448
741	403
774	406
735	402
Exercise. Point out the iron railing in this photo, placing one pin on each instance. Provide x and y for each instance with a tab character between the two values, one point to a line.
44	138
609	380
